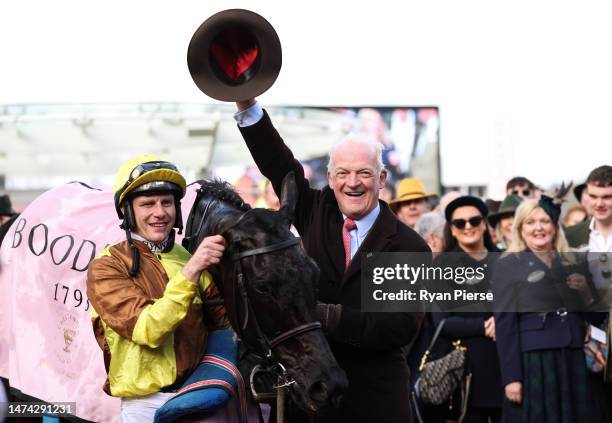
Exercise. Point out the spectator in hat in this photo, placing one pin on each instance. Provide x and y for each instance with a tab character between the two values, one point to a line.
411	201
492	205
502	220
6	209
521	186
467	244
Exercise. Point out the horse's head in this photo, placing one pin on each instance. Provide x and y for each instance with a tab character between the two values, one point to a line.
275	313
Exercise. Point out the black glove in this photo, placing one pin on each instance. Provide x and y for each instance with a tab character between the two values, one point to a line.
329	316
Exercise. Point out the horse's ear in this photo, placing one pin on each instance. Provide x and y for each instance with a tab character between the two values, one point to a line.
288	196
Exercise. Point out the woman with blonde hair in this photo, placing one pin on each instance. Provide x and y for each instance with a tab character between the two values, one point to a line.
539	298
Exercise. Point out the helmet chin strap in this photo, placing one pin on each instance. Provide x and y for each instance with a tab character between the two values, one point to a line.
135	253
128	225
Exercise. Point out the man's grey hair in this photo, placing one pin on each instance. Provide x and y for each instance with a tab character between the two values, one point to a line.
354	138
430	223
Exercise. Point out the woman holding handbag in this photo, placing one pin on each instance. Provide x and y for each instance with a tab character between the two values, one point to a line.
538	292
468	244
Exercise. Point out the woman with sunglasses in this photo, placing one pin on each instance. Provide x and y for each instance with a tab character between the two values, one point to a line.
467	244
539	293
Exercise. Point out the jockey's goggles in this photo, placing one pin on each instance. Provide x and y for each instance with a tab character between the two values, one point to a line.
146	174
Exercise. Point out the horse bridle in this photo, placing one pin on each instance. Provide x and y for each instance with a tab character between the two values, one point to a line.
239	288
268	345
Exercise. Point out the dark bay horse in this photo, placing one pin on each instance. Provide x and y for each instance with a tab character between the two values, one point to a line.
268	284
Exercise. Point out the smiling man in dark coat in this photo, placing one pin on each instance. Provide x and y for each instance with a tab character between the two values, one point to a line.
366	345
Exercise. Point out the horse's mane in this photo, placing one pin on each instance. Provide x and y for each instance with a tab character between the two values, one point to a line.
223	191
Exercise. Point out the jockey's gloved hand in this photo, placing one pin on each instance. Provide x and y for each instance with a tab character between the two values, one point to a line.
329	316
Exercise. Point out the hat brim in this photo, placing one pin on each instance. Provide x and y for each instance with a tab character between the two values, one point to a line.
578	189
206	76
496	217
410	197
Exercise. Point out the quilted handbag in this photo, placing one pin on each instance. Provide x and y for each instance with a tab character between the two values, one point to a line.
439	378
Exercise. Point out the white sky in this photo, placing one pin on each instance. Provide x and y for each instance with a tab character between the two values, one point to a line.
523	86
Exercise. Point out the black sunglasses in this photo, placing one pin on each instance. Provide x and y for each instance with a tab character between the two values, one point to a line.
525	192
473	221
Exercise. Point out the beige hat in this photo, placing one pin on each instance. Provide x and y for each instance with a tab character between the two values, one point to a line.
409	189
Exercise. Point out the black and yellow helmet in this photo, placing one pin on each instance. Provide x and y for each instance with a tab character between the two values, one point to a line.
146	174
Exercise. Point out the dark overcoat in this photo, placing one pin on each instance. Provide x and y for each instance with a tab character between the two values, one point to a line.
541	322
366	345
486	389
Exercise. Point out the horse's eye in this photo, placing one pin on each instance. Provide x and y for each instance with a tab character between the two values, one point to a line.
262	287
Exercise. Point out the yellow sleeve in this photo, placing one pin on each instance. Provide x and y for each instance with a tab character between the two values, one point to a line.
163	316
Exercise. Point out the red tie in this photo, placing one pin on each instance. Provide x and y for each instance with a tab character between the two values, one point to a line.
349	225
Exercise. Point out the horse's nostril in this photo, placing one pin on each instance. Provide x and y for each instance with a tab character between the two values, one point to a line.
318	392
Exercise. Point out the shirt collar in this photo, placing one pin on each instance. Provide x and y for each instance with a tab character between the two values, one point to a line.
592	226
365	223
161	247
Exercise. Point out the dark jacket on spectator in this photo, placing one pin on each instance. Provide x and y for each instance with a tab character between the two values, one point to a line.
366	345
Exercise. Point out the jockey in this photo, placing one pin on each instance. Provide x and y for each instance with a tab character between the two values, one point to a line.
147	292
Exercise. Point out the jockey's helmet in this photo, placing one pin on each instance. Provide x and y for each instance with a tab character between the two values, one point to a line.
147	174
